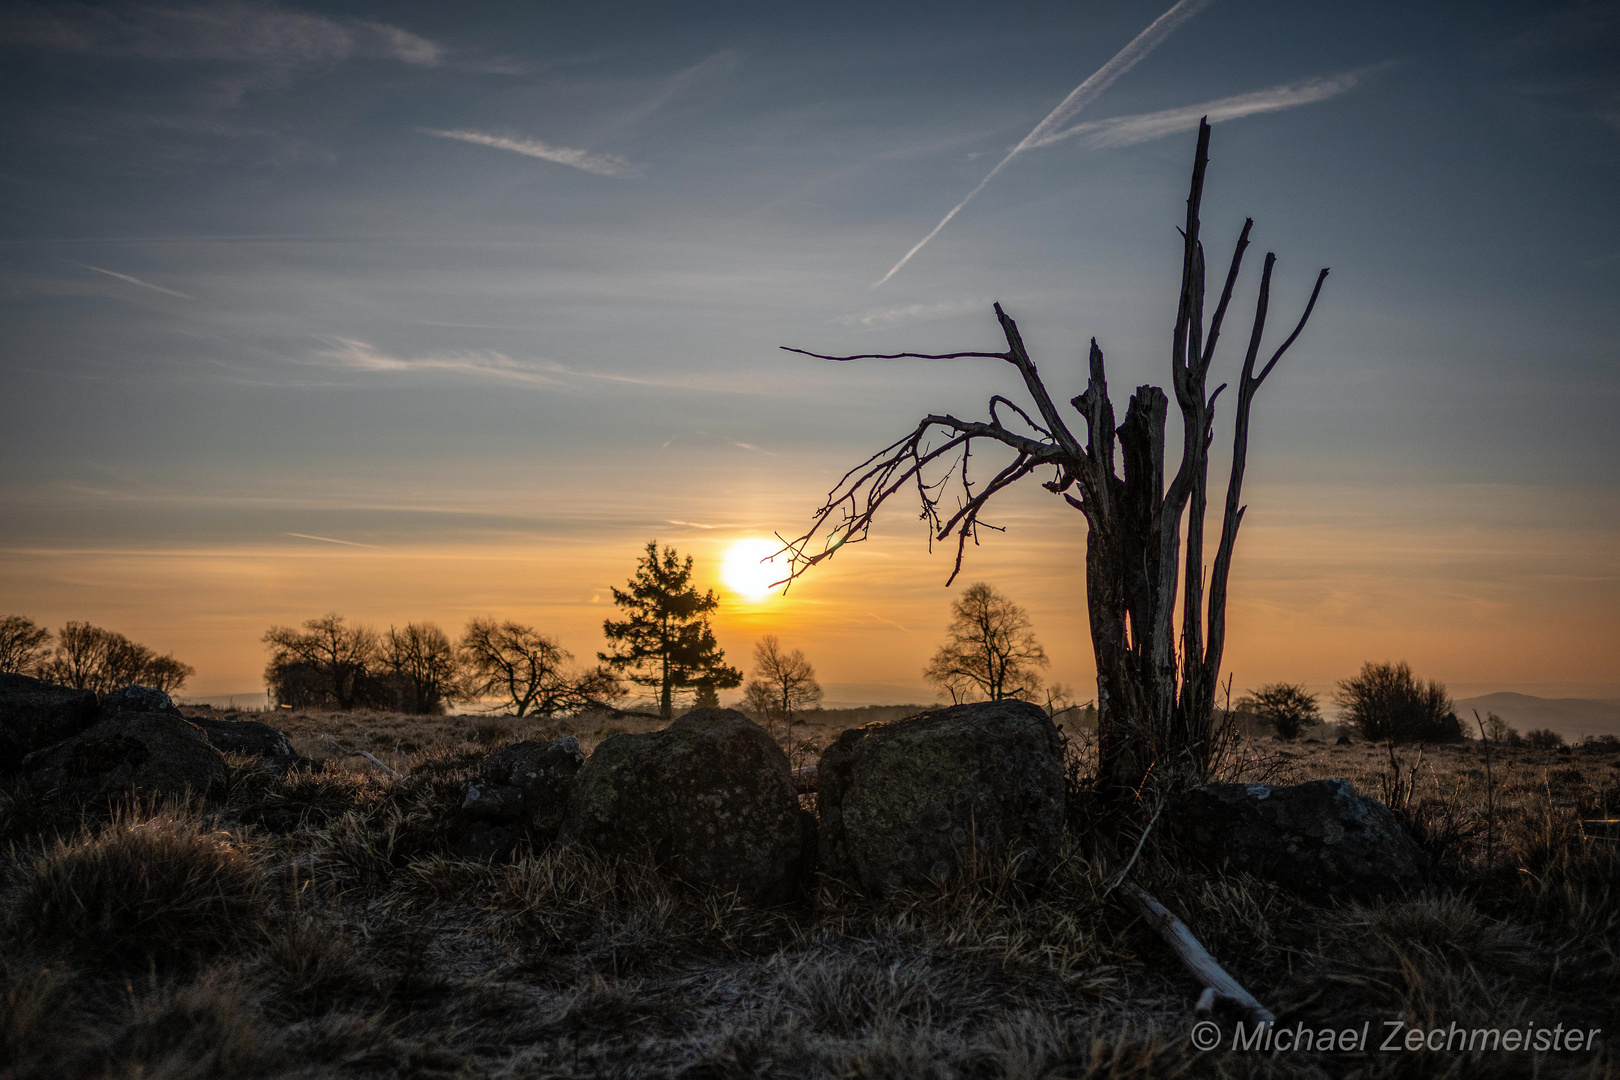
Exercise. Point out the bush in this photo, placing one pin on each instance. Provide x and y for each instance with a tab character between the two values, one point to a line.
1285	706
1385	701
139	891
1543	739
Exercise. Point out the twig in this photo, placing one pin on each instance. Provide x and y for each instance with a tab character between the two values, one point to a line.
1132	861
1194	955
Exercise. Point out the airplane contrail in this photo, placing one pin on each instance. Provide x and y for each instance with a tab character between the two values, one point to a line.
1078	98
136	281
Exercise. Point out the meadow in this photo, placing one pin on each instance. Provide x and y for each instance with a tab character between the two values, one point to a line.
320	924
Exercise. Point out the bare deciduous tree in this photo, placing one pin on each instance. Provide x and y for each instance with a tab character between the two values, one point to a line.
330	660
24	645
991	651
1155	693
529	671
424	665
784	683
1287	707
90	658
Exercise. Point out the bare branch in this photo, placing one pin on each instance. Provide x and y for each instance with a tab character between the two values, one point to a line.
1302	320
899	355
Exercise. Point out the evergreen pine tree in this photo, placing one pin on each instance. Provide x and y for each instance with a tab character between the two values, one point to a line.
666	643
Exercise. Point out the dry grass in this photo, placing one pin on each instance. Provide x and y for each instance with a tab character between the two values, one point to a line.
323	925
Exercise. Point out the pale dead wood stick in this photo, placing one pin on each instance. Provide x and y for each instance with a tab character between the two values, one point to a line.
1194	955
390	770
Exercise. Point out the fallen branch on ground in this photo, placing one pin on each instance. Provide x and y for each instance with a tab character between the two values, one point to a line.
389	769
1217	982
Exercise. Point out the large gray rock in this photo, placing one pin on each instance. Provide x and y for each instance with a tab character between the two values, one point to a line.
35	714
709	798
1319	839
541	775
913	803
153	753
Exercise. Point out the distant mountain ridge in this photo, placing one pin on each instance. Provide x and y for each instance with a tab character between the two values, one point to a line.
1573	718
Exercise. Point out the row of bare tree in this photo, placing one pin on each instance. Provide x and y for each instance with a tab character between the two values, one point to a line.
85	657
333	664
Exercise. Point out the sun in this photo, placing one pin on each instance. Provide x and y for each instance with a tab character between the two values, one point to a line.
749	570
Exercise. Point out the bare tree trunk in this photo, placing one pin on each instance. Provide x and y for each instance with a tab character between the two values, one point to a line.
1155	695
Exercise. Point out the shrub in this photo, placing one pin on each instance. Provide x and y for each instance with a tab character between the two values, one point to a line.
1287	707
138	891
1386	701
1543	739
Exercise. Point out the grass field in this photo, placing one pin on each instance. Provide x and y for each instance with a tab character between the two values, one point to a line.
187	941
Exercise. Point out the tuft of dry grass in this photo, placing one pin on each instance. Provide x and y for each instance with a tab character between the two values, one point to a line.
141	889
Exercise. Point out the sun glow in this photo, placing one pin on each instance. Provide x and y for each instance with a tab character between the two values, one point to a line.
749	570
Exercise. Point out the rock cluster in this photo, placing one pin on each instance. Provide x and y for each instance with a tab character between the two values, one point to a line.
34	715
709	798
917	802
139	744
1319	839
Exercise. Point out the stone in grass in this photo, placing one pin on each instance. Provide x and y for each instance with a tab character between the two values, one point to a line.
35	714
1319	839
710	799
541	773
252	738
915	803
140	745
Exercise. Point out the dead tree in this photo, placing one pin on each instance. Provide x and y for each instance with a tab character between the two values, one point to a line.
1155	695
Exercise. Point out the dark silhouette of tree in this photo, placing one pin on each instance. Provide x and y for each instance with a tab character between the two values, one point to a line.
424	666
1155	693
528	671
1287	707
90	658
990	651
24	645
784	683
1387	702
330	664
666	643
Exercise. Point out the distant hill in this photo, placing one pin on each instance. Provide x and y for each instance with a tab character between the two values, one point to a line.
1573	718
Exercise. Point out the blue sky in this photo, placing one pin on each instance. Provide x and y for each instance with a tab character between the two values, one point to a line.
500	286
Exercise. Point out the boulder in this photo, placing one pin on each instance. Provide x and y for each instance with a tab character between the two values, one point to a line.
251	738
709	798
915	802
541	774
486	801
35	714
153	753
138	699
1319	839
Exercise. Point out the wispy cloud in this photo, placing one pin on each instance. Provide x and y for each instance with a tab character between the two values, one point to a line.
246	32
1143	127
360	356
600	164
883	318
699	524
1069	107
329	540
136	281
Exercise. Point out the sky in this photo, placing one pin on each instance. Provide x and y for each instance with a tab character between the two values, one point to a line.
417	311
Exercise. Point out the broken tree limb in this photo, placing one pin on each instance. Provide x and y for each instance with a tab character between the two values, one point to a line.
1194	955
389	769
